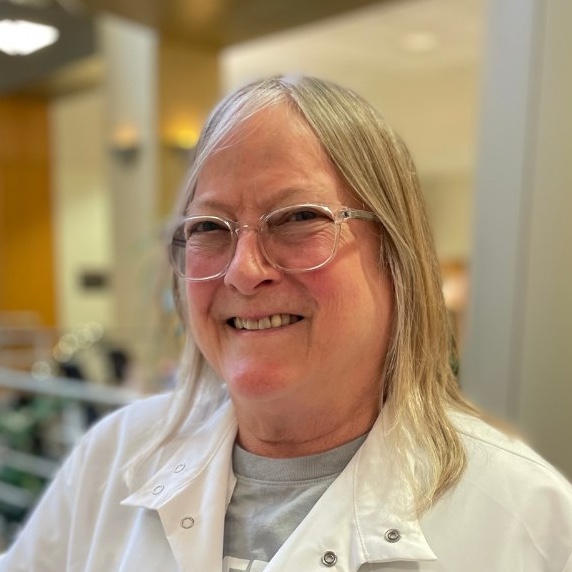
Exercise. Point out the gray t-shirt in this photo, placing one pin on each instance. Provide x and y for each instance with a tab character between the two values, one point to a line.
271	498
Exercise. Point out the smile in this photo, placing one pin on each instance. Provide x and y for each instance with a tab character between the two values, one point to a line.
266	323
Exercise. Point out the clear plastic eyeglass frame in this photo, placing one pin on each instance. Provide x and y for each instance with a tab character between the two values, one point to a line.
334	213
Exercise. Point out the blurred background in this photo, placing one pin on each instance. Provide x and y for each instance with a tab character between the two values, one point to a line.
97	127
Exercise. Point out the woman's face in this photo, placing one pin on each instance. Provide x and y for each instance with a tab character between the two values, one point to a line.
332	353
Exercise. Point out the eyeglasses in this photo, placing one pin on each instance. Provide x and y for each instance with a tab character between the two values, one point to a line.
299	238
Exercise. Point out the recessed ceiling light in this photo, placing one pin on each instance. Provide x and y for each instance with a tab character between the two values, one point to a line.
419	42
20	38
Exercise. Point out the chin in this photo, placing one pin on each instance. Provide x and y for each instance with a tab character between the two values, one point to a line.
254	384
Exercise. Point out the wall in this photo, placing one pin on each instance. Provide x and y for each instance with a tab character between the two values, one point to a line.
82	210
545	399
188	82
449	198
26	243
518	361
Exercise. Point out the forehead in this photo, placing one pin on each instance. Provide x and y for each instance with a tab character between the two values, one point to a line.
271	159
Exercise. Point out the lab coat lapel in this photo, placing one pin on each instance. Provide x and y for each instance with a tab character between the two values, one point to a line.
191	493
364	517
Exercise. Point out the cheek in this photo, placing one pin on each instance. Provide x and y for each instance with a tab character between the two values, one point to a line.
341	299
199	296
354	301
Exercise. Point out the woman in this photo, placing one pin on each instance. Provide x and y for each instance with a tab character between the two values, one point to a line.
307	280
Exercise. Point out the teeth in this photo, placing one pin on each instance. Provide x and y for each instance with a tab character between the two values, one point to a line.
274	321
264	324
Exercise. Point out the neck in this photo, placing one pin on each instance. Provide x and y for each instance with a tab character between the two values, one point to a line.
282	431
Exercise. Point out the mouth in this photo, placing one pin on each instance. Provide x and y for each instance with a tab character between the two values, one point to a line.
268	322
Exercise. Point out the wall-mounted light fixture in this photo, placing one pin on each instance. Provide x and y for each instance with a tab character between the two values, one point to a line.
182	142
20	37
125	143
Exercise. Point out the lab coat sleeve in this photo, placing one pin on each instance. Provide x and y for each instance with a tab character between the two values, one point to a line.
43	544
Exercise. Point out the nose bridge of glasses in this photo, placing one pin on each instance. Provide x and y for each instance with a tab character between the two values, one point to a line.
257	249
238	228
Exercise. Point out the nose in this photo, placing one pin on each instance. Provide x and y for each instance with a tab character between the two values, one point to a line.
249	268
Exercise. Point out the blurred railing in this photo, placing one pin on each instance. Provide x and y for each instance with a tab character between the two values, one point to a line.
40	421
65	388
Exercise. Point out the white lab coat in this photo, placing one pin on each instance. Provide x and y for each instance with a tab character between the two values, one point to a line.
511	512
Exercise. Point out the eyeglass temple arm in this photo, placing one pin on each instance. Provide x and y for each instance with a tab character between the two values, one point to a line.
355	213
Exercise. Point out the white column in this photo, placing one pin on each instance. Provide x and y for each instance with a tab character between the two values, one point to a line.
130	85
518	356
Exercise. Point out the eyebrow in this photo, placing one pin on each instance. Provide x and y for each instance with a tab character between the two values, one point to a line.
297	193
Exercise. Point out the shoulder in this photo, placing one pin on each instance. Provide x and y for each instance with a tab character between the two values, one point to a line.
111	445
136	416
509	501
130	427
86	491
136	438
505	457
515	491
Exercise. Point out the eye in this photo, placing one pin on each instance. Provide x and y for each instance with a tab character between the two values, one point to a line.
301	214
304	215
195	228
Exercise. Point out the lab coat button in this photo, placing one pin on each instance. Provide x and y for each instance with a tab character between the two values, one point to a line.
179	467
158	489
187	522
393	535
329	558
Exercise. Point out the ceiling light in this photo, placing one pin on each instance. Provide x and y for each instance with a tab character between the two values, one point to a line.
20	38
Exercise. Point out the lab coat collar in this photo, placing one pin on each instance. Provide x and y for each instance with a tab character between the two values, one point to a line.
183	460
364	516
388	527
192	489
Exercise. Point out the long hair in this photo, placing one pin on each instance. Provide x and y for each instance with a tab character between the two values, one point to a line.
418	386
